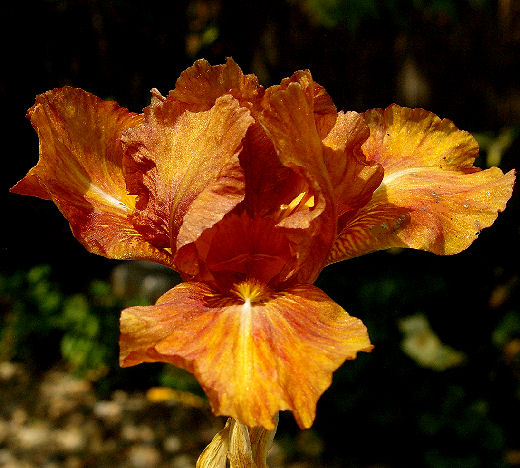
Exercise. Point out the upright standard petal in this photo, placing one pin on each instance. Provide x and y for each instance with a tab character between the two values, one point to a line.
310	218
353	178
255	352
176	156
237	248
431	197
80	169
202	84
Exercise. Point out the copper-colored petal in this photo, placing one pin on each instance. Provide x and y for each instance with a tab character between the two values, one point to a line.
176	156
237	248
213	201
269	184
80	169
254	352
324	110
353	179
200	85
288	119
431	197
402	138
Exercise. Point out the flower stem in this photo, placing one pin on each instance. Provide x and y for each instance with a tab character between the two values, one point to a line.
243	446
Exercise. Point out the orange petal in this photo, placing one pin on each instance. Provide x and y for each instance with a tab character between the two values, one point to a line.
352	178
254	352
324	110
402	138
269	183
290	124
80	169
200	85
431	197
175	156
237	248
225	193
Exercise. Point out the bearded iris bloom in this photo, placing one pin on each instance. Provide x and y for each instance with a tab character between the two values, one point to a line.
249	193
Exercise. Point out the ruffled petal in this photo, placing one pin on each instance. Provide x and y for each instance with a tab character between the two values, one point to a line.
431	197
237	248
176	156
324	110
269	184
353	178
80	169
254	352
309	218
225	193
403	138
200	85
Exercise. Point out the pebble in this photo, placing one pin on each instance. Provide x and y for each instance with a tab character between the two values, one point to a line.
143	456
183	461
69	440
56	421
33	437
172	444
109	411
140	433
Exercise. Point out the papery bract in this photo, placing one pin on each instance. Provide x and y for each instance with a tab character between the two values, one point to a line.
248	193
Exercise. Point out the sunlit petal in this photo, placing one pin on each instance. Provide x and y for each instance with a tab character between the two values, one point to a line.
353	178
200	85
254	352
80	169
289	121
431	197
176	156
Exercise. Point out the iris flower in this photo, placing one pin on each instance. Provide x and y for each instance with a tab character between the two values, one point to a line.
249	193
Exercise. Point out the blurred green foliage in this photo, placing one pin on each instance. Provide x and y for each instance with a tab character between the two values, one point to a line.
351	13
42	326
40	322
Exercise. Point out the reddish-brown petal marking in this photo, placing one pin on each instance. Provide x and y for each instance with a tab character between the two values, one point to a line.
213	201
200	85
80	169
288	119
175	156
254	352
431	197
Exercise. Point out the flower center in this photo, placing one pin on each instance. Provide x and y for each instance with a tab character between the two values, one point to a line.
304	199
251	291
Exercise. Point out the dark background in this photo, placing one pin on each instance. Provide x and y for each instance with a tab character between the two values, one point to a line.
458	59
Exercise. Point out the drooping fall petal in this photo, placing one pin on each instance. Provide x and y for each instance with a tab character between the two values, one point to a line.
254	352
431	197
175	156
80	169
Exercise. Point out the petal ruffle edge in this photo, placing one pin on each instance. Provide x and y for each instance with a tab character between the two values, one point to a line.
80	170
254	354
176	157
431	197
